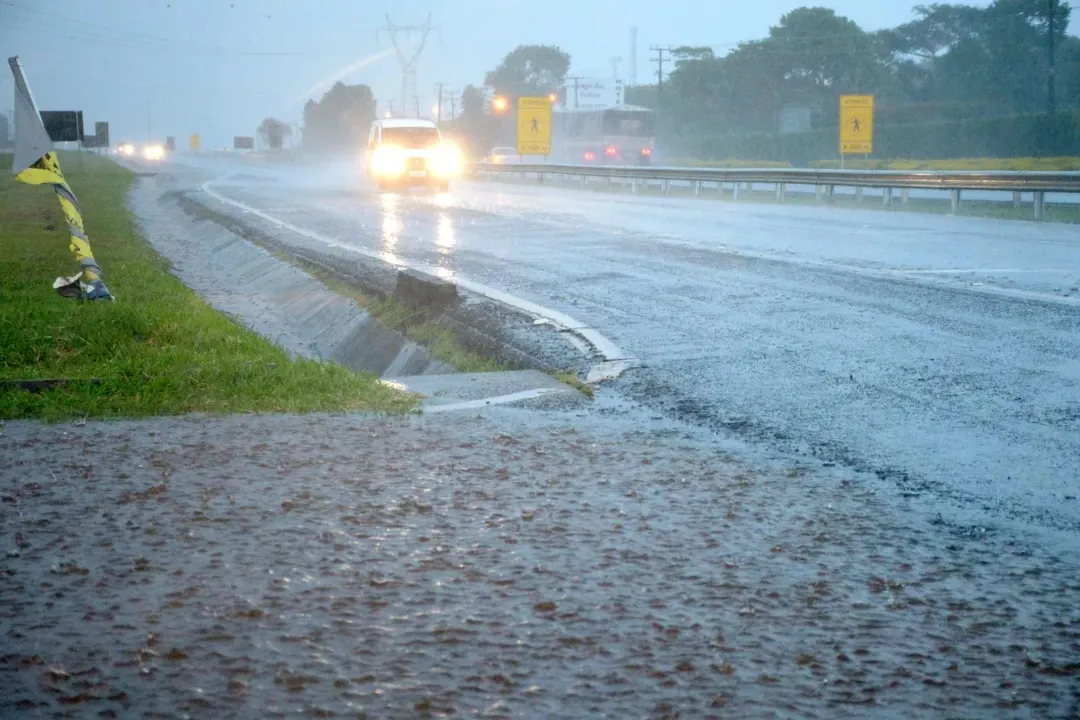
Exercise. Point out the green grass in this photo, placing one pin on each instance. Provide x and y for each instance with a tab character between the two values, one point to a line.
1029	164
569	377
159	349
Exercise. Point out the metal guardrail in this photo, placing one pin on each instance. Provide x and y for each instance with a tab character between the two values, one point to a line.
824	181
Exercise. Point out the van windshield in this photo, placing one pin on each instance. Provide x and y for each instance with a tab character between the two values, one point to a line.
410	137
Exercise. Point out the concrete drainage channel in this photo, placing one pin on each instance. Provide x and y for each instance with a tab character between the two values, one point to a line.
240	270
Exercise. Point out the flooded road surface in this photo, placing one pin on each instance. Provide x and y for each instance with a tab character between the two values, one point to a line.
940	353
500	565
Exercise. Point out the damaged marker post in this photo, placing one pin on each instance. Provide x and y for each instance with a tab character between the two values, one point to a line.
36	164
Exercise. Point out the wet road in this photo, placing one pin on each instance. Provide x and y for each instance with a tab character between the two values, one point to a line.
504	565
941	354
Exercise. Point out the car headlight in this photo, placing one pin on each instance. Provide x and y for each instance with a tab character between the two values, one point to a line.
446	161
388	161
153	152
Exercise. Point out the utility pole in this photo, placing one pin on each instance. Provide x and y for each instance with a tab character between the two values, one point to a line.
659	59
438	104
633	56
409	61
575	78
1051	76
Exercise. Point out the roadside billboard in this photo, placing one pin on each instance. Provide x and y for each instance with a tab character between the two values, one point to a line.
593	93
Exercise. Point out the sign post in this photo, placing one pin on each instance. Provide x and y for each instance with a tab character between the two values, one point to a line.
534	126
193	143
856	125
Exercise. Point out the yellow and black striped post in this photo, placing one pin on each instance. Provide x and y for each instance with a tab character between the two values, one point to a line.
36	164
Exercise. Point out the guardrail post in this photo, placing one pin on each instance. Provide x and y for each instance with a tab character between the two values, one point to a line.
664	187
904	196
633	185
607	182
819	192
1016	200
779	192
540	178
584	180
954	201
830	191
886	197
735	190
720	188
697	188
1040	205
858	193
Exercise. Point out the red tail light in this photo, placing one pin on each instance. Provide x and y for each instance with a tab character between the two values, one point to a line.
589	155
611	151
646	151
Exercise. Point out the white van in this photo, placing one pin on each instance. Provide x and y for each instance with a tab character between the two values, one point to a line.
405	153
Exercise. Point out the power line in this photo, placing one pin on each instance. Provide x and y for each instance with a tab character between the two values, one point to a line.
97	34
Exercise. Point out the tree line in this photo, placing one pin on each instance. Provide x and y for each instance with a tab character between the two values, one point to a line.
954	78
952	63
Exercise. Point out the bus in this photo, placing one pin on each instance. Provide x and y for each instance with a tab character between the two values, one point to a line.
622	135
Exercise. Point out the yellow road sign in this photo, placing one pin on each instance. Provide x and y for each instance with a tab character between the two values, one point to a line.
193	143
856	124
534	126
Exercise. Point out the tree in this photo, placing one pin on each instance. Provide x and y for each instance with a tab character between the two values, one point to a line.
474	126
340	120
274	132
530	70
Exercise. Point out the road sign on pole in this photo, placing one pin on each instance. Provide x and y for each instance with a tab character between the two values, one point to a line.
193	143
534	126
856	124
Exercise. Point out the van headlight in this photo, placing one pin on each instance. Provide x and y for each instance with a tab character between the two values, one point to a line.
446	161
388	162
153	152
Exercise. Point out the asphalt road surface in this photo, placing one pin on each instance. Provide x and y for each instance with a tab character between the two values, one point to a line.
940	355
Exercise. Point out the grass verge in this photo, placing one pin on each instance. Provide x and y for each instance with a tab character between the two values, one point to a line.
1028	164
159	349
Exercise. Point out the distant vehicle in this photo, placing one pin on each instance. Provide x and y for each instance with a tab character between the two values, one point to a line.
503	154
620	135
126	148
407	153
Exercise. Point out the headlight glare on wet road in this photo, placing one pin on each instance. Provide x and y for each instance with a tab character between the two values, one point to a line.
388	162
153	152
446	161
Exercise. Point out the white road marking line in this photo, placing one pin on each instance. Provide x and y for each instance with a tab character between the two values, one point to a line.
497	400
972	271
615	360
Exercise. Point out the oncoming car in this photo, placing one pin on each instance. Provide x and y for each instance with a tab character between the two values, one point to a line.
409	153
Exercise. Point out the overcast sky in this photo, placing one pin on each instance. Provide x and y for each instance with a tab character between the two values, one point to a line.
217	67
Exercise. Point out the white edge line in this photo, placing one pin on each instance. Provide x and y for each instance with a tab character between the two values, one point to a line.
497	400
607	348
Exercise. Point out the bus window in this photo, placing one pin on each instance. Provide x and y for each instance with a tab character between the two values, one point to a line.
628	123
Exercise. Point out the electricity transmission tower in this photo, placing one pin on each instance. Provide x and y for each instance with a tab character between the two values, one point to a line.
407	58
